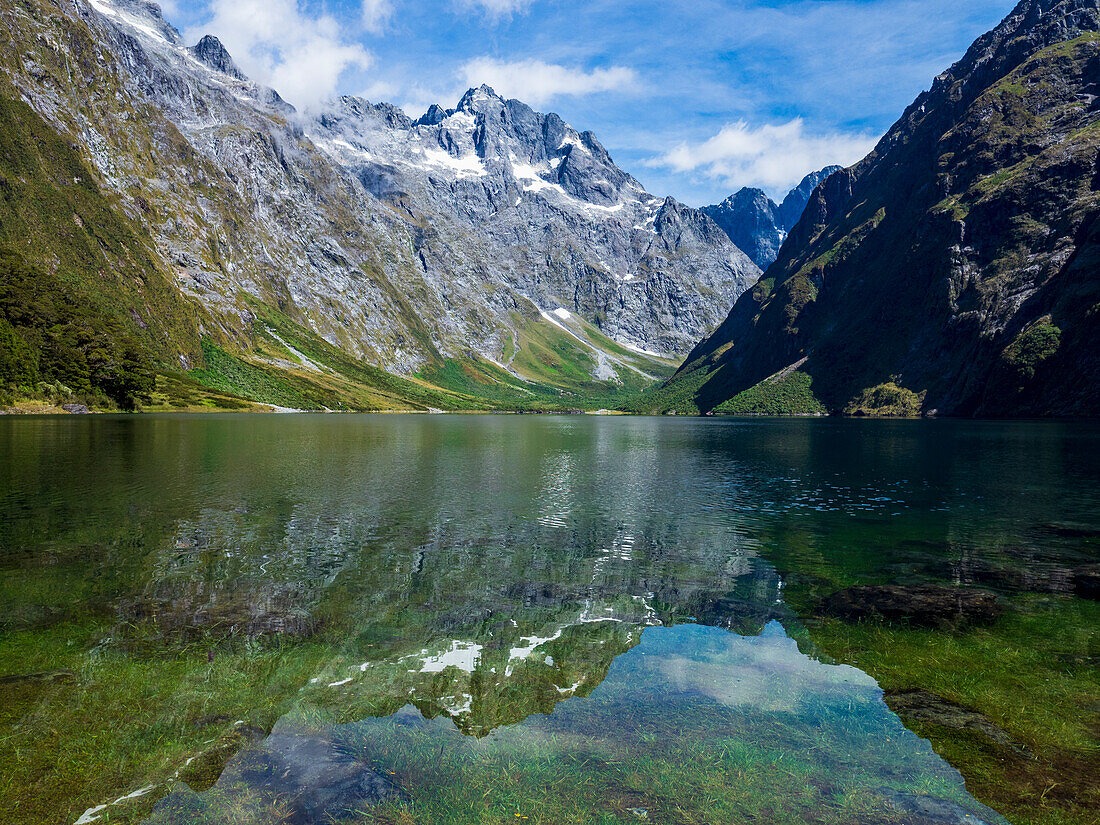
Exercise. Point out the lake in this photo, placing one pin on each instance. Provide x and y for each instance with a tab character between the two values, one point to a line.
490	619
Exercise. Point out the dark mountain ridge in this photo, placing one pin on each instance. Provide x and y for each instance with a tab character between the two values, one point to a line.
757	224
954	270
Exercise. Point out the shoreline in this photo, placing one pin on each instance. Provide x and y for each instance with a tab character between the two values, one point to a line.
55	410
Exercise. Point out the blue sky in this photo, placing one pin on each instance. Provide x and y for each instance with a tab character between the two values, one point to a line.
695	98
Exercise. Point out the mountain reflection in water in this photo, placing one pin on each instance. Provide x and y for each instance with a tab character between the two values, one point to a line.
691	722
452	620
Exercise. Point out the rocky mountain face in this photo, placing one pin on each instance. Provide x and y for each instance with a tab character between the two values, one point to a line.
757	224
483	245
957	268
562	225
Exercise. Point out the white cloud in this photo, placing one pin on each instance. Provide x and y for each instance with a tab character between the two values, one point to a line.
497	8
416	99
376	13
536	82
379	91
274	42
774	157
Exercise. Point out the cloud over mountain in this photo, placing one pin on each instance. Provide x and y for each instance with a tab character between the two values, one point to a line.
773	156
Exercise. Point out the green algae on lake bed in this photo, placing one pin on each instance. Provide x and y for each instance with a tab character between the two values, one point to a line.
1016	703
470	619
693	724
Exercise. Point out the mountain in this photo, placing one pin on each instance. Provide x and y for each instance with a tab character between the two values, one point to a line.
794	204
481	256
757	224
561	223
956	269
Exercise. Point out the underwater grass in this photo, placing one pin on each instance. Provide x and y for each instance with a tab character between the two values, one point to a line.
124	720
668	764
1032	673
636	749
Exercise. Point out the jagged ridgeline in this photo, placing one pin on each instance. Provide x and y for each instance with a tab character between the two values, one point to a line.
759	225
486	256
956	269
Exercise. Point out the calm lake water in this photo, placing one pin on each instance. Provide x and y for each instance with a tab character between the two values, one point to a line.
443	619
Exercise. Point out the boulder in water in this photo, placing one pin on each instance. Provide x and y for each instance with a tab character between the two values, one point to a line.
924	605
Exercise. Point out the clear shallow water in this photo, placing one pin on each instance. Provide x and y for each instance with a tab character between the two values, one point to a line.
452	619
693	722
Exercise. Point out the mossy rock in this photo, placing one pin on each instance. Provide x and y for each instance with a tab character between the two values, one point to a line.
886	401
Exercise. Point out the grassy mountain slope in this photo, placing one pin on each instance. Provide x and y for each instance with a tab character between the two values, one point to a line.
83	299
88	312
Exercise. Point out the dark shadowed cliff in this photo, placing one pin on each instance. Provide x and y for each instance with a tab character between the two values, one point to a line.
955	269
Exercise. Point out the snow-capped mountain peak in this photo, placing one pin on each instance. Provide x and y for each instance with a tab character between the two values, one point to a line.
402	240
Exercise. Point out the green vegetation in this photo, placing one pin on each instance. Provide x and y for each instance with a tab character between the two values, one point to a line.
229	373
49	336
675	397
1026	681
181	393
802	289
763	289
787	393
790	394
1036	343
114	720
344	381
953	206
293	367
557	371
1018	108
886	401
83	304
1032	674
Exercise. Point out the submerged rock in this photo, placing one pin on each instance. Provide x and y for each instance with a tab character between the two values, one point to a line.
927	707
919	809
304	774
319	781
925	605
1026	573
745	616
203	771
1086	582
1071	530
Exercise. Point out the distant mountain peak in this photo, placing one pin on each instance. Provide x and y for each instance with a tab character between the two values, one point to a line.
211	52
795	203
142	15
435	115
757	224
477	97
